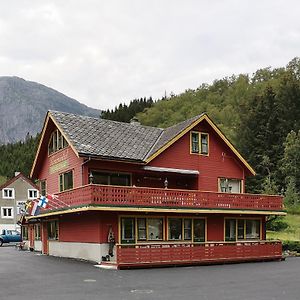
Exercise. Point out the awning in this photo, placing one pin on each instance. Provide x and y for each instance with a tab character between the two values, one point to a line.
171	170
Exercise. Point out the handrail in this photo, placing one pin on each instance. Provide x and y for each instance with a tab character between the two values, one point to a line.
94	194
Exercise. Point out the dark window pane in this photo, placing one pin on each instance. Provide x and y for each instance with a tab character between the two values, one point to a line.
187	229
195	142
141	224
230	230
241	230
204	143
128	235
175	229
199	230
120	179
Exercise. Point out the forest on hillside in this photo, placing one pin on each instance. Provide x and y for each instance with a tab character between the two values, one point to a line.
259	113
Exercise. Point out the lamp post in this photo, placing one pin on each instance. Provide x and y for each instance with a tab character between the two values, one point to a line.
166	183
91	178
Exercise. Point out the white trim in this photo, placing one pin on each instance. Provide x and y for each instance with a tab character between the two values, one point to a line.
2	212
30	196
171	170
8	197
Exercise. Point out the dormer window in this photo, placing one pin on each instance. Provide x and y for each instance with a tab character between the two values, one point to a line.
56	142
199	143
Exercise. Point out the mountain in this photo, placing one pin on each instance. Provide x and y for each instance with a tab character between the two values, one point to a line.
24	104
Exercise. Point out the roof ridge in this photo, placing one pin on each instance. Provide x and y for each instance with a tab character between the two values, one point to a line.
101	119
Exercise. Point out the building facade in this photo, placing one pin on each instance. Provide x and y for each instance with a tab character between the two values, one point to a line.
13	195
135	195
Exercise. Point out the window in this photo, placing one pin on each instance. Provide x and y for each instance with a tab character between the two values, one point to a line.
128	230
111	178
199	230
37	232
230	230
142	232
52	230
66	181
204	143
181	229
199	143
43	187
33	194
252	229
25	232
56	142
8	193
7	212
195	142
227	185
187	227
175	229
155	228
242	229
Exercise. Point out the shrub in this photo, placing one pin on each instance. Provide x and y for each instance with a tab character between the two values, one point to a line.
277	224
291	246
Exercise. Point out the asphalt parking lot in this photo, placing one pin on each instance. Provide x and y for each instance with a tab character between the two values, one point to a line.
27	275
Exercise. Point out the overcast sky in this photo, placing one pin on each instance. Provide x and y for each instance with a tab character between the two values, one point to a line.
106	52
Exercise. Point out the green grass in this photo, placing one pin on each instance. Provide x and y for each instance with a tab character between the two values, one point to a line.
292	233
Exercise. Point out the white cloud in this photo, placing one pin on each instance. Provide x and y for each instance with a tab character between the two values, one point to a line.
106	52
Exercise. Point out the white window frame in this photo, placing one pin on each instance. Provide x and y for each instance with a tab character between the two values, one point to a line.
12	190
32	190
228	185
2	212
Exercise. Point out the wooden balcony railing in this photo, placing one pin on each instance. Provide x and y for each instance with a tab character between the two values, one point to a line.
185	253
121	196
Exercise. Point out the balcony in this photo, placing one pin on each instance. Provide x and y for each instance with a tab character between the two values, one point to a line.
206	253
143	197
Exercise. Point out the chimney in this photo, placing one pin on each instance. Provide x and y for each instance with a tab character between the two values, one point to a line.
135	121
17	173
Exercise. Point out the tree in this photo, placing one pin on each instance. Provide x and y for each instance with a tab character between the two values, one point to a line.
290	163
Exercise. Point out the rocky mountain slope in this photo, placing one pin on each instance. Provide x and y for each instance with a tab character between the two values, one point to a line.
23	106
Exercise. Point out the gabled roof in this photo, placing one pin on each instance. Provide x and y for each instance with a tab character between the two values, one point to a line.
20	175
106	139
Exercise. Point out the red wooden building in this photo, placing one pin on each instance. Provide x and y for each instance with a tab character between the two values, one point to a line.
167	196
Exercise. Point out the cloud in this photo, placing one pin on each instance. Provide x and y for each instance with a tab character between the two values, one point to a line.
106	52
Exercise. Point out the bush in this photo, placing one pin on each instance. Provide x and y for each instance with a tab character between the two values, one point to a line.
291	246
277	224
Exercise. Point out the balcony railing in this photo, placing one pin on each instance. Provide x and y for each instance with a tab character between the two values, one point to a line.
121	196
185	253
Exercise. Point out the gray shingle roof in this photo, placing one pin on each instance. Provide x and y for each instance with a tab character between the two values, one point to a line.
115	140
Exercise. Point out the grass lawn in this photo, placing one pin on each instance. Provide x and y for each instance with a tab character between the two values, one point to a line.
292	233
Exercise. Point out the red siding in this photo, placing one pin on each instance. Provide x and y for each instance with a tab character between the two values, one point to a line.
215	228
87	227
71	161
221	161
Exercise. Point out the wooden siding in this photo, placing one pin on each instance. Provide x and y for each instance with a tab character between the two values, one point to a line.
57	163
221	161
208	253
87	227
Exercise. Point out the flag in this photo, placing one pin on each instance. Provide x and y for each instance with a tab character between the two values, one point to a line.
55	201
28	206
43	202
35	208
